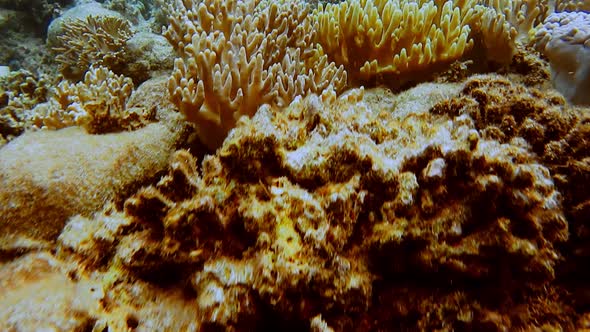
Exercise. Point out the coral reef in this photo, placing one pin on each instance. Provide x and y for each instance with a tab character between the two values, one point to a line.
237	57
229	172
340	207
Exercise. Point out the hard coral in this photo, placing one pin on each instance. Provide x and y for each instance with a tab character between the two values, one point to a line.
334	204
237	56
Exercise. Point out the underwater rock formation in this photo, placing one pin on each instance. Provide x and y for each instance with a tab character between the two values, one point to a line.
341	207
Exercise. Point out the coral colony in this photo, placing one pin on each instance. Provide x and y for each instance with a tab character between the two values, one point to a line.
290	165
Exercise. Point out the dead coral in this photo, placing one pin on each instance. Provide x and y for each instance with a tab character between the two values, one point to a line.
506	111
502	111
38	295
321	208
98	41
46	177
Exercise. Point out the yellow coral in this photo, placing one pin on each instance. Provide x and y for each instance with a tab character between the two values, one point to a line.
374	37
572	5
237	56
508	23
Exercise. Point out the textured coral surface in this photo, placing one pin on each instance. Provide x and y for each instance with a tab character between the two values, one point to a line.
373	210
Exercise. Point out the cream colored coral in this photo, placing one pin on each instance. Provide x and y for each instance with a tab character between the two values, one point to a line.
95	41
237	56
97	103
506	24
374	37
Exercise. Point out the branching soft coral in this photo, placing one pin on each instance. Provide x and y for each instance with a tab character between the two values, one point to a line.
237	56
400	37
98	104
96	41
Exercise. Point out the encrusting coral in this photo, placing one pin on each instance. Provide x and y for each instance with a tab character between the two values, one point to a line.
339	207
237	56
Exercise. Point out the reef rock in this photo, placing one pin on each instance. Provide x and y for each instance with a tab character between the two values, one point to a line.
345	213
